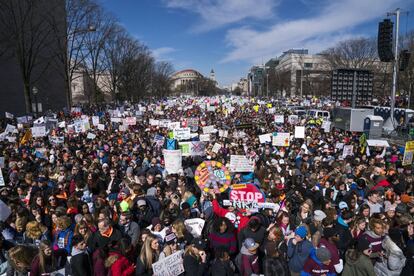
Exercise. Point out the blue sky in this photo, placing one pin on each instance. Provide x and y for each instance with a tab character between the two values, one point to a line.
230	36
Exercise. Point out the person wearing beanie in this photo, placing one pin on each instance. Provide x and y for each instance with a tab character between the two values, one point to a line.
329	241
319	264
395	261
357	261
298	252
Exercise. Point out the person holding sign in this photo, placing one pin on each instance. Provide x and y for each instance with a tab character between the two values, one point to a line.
195	258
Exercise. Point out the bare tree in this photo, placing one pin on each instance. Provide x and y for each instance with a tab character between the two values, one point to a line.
161	81
406	77
24	35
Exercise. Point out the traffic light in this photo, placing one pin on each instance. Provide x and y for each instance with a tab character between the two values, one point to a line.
404	59
385	30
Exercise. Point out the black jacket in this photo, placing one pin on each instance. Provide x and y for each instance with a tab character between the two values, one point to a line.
220	268
193	267
81	265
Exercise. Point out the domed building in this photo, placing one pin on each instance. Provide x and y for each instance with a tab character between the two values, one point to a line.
185	80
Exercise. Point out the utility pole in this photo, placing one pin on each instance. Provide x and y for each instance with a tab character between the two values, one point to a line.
394	71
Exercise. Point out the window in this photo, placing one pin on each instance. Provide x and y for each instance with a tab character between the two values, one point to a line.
308	65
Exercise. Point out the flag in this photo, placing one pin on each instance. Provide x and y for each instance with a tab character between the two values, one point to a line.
363	142
26	137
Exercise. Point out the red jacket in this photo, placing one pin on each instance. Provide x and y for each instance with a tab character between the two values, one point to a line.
221	212
120	265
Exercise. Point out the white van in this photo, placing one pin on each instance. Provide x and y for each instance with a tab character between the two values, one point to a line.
316	113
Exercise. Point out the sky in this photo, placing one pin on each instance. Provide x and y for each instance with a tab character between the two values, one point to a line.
230	36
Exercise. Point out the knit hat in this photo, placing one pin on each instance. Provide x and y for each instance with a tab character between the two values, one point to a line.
250	244
323	254
343	205
301	231
319	215
363	244
191	200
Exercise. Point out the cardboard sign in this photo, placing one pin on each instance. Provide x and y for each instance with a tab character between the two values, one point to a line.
216	148
293	119
300	132
182	133
38	131
204	137
279	119
95	120
240	163
281	139
378	143
195	226
223	133
173	161
265	138
169	266
347	151
101	127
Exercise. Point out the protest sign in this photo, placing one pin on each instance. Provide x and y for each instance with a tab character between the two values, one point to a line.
192	123
122	128
193	148
265	138
173	160
164	123
130	121
38	131
339	145
300	132
10	129
204	137
212	175
116	120
408	153
247	193
91	136
223	133
240	163
347	151
281	139
5	211
1	178
378	143
1	162
9	115
11	139
326	125
279	119
174	125
153	122
211	108
208	129
182	133
95	120
56	139
293	119
271	110
101	127
216	148
194	226
169	266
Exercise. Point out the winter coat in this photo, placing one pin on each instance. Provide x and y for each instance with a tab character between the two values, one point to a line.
226	240
298	254
345	236
314	267
275	266
118	264
193	267
249	263
80	263
394	260
220	268
60	261
362	266
257	236
375	241
63	240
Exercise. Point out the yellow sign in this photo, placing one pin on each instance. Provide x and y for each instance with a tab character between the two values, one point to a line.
408	153
256	108
269	105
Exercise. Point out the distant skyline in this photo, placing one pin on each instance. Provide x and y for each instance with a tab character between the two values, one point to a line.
230	36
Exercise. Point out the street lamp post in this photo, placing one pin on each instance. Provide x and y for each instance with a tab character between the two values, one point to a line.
35	91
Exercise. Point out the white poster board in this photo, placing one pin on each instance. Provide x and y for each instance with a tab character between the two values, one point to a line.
348	151
182	133
265	138
208	129
378	143
204	137
279	119
195	226
240	163
300	132
101	127
173	161
1	179
216	147
223	133
38	131
5	211
293	119
95	120
169	266
174	125
281	139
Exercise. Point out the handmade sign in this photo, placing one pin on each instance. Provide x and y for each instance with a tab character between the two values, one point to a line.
240	163
293	119
300	132
38	131
169	266
204	137
193	148
1	179
279	119
208	129
5	211
130	121
101	127
216	148
223	133
174	125
173	161
192	123
182	133
95	120
246	196
408	153
265	138
348	151
56	139
281	139
212	175
195	226
378	143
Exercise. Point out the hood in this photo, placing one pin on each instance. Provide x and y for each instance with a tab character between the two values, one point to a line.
76	251
349	257
391	247
372	234
244	251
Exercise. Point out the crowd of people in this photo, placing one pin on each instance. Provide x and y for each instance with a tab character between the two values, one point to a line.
105	204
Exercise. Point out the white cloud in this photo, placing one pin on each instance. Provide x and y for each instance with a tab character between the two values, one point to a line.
218	13
336	21
161	54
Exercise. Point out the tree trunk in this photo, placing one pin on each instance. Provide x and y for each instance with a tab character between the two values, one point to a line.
27	98
68	92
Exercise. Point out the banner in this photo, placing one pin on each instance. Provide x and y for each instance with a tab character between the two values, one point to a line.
300	132
408	153
240	163
173	161
281	139
182	133
169	266
194	226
